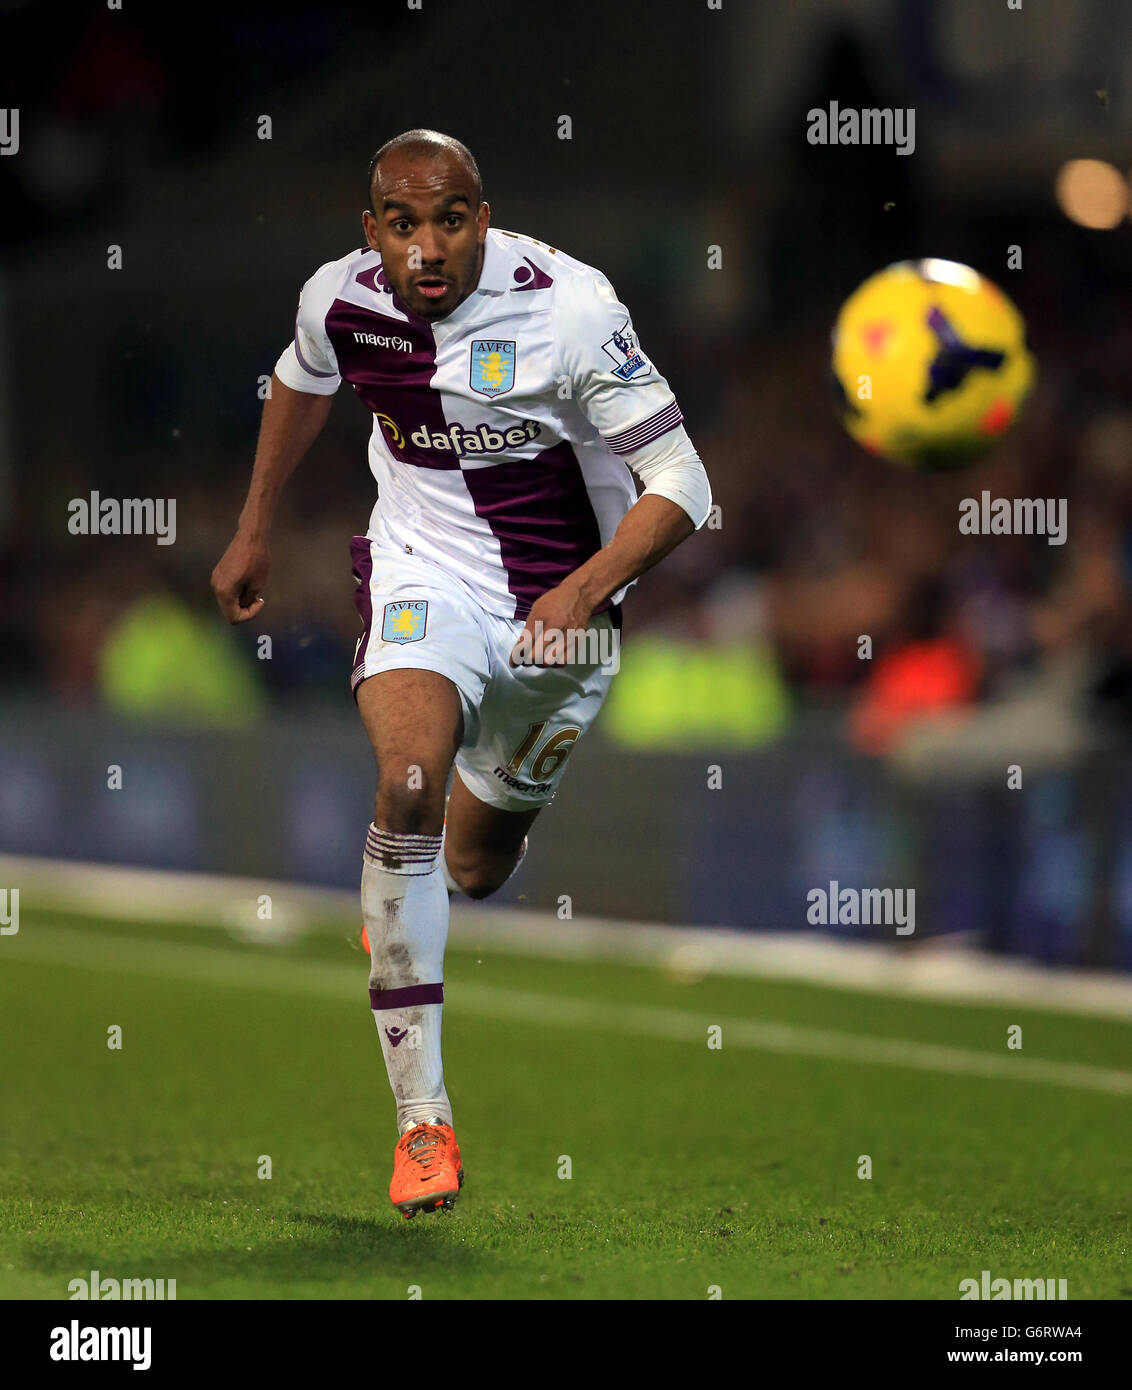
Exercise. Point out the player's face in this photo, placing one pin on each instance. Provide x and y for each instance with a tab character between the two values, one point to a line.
428	230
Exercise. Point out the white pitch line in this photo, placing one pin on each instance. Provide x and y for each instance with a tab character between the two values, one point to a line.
940	968
61	946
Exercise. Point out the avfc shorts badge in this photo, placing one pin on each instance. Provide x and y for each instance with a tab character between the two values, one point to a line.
493	366
405	620
626	356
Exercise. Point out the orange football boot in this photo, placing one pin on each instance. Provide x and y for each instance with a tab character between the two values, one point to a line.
427	1173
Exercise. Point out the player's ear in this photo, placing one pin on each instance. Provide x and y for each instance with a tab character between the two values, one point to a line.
369	226
483	217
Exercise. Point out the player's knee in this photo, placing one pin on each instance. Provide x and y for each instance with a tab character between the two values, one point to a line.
480	883
483	875
410	800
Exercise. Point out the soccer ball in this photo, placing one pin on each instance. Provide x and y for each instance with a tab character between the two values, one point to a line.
930	364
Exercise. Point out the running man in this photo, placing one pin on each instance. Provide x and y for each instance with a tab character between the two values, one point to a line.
510	400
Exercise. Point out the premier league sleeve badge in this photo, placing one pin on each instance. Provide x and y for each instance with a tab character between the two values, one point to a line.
623	351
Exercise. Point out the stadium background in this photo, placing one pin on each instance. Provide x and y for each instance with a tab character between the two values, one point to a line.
741	650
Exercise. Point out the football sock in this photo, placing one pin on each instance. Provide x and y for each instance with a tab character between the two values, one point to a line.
405	909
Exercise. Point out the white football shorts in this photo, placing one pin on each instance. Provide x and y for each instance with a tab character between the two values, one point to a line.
520	722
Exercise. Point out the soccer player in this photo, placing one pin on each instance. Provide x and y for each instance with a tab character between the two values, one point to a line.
510	400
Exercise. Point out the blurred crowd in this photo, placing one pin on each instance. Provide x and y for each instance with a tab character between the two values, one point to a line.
816	544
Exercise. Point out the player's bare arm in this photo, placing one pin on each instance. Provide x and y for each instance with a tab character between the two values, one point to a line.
291	422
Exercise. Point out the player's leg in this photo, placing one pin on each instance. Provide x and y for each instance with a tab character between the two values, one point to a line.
418	675
414	722
483	844
529	720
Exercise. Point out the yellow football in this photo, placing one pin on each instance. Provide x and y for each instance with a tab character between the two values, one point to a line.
930	364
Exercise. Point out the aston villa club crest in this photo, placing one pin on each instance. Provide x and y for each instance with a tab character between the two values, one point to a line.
493	366
405	620
626	356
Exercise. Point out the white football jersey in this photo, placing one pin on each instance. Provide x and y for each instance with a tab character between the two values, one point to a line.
499	431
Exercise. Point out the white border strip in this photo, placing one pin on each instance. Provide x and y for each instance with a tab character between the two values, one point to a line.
69	949
944	968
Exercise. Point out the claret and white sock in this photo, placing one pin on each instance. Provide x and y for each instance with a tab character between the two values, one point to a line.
405	910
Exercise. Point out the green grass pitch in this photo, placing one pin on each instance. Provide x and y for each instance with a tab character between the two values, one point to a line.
692	1167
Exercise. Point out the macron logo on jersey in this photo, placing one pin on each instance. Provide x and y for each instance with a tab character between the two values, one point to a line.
379	340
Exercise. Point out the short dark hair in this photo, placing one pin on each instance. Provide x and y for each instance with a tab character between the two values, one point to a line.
425	142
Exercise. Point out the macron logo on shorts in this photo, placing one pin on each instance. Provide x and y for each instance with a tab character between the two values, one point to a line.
405	620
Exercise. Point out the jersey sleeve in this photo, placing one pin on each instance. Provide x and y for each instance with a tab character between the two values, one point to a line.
615	385
309	364
670	467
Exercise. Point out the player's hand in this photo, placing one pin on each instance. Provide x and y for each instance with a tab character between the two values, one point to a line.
239	579
543	641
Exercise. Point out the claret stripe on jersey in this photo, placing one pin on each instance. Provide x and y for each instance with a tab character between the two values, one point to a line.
363	601
396	385
648	430
542	518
